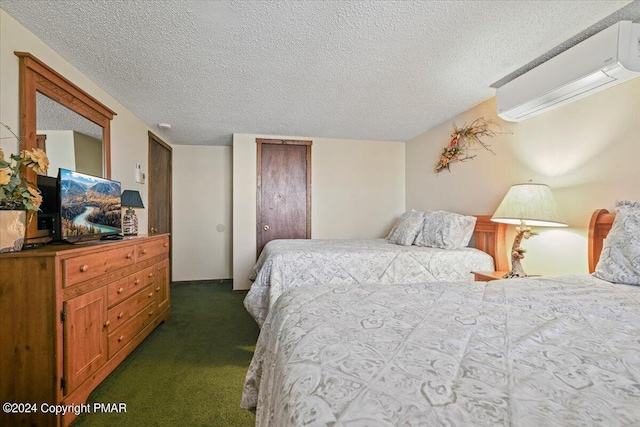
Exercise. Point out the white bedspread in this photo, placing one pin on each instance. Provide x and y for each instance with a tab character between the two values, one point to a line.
521	352
287	264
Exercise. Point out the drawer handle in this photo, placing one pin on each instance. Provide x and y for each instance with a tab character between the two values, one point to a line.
166	245
120	338
129	255
150	275
158	289
151	313
135	282
143	252
120	315
150	294
106	324
84	268
120	290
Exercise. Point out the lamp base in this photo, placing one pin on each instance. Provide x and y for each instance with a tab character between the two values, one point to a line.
130	223
513	274
517	253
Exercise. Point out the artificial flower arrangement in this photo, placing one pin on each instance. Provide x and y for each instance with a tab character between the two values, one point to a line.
16	193
465	137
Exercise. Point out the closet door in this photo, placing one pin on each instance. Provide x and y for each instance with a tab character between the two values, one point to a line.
160	169
283	190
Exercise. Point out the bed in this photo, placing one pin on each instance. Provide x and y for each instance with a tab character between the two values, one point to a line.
287	264
527	352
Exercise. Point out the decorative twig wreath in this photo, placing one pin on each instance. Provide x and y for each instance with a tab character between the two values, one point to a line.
462	139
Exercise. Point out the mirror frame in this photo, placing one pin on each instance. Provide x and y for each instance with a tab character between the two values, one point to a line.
36	76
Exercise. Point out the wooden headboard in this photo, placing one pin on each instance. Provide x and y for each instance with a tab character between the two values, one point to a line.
489	236
599	226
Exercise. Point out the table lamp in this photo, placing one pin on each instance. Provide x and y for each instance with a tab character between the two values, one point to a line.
130	199
524	205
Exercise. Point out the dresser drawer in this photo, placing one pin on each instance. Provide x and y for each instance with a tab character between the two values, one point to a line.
129	285
120	314
140	279
79	269
117	291
148	250
121	336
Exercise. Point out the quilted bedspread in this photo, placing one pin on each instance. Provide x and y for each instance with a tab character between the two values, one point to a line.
286	264
561	351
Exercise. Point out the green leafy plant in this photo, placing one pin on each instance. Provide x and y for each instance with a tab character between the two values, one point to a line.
16	193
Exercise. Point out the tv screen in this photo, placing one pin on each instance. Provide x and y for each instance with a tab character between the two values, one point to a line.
89	205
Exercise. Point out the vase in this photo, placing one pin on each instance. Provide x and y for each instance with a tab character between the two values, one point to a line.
13	225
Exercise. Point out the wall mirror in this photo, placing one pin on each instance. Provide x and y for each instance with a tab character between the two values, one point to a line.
70	140
68	123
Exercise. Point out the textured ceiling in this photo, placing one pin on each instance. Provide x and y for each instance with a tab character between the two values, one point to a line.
355	70
53	116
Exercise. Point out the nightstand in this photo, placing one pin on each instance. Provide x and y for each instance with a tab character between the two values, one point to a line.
487	276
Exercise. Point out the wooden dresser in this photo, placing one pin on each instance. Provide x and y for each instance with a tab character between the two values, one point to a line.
70	314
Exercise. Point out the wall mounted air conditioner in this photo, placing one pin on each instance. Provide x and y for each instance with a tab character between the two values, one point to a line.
605	59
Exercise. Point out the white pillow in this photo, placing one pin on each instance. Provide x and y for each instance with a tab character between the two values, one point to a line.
620	257
446	230
393	229
408	226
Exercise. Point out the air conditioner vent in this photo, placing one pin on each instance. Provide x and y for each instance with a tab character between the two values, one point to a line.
601	61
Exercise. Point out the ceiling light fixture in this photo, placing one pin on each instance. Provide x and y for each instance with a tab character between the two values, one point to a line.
164	125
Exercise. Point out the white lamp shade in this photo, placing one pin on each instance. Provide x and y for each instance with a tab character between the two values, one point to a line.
532	203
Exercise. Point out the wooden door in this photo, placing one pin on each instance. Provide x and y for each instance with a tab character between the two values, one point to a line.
160	169
160	200
85	336
283	190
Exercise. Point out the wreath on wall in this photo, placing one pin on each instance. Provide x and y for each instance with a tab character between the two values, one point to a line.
465	139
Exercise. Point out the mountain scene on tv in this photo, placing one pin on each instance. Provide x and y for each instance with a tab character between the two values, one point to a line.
89	205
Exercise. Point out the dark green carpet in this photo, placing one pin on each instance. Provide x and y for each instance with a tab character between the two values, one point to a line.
189	371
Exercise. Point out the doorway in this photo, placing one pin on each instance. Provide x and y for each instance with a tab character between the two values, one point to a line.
160	171
283	190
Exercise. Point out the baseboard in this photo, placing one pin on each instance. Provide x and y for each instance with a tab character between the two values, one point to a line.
211	281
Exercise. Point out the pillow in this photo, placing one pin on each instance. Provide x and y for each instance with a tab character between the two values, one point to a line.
620	257
393	229
446	230
408	226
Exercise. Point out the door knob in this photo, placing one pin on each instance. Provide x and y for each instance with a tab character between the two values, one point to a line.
265	227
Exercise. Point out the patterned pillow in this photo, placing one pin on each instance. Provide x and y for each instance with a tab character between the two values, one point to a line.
446	230
620	257
408	226
393	229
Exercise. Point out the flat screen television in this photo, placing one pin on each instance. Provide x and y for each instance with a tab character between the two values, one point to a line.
89	206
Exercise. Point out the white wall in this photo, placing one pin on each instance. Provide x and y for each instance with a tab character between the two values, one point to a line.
202	220
357	188
587	151
88	153
357	191
74	151
129	135
64	156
